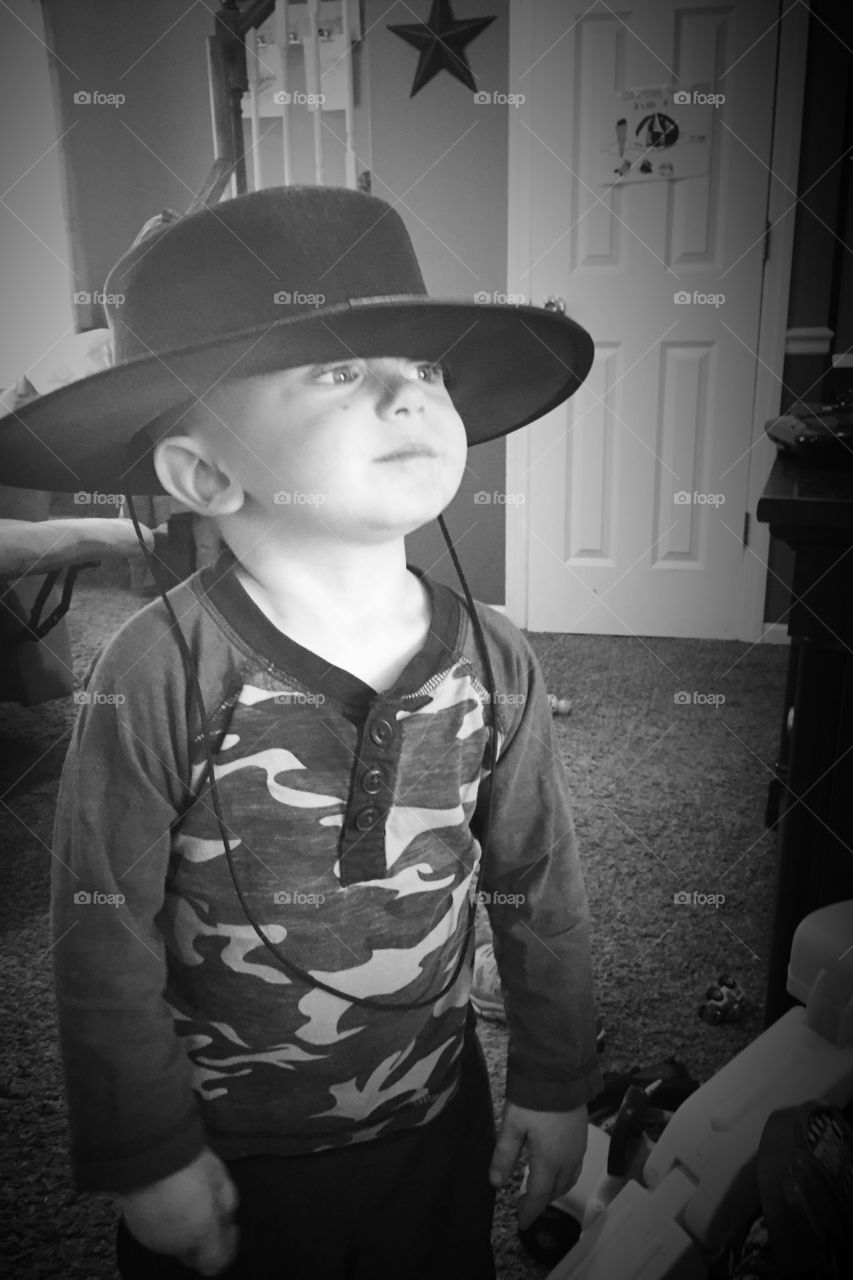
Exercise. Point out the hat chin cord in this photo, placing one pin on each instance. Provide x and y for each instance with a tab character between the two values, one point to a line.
192	676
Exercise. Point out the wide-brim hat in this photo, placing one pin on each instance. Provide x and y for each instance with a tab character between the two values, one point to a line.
282	277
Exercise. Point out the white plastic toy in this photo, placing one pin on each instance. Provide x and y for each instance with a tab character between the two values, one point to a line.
697	1187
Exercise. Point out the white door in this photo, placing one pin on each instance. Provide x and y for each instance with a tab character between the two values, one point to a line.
629	501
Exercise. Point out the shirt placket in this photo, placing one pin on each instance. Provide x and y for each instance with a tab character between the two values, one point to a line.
363	836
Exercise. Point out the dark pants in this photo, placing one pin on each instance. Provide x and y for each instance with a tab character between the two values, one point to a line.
415	1205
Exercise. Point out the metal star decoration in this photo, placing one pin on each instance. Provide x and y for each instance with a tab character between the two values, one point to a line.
441	42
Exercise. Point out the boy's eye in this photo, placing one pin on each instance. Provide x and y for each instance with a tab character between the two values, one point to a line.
338	374
432	372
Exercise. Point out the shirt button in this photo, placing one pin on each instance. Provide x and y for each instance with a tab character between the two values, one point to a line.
381	732
372	781
366	818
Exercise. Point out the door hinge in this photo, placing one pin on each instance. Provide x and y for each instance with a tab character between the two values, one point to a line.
746	528
766	249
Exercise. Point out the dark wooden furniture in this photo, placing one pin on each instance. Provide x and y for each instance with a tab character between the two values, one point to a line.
811	801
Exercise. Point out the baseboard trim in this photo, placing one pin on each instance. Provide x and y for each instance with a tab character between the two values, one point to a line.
775	633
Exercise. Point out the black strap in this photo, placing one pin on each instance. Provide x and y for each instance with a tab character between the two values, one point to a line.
38	629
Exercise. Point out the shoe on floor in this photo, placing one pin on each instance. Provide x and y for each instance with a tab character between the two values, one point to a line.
486	994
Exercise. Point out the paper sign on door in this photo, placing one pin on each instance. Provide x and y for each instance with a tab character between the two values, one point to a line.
657	134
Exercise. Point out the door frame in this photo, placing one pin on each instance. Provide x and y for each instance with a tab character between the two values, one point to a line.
773	312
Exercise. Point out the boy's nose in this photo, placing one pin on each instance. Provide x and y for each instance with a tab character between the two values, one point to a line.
398	391
401	396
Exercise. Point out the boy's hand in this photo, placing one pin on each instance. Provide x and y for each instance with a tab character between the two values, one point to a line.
188	1215
556	1142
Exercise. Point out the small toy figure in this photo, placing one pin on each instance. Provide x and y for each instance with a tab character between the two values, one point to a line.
723	1002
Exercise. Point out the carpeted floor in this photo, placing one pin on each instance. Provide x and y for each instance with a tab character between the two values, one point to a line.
669	799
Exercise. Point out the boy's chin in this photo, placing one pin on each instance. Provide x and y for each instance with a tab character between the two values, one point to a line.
393	530
378	525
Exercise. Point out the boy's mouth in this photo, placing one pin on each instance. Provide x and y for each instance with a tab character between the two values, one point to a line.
405	452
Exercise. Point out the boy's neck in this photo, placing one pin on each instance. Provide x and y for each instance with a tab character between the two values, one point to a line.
319	586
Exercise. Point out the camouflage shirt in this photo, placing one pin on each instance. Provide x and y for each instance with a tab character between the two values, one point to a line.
354	820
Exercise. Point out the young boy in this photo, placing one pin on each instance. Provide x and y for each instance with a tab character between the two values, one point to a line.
263	975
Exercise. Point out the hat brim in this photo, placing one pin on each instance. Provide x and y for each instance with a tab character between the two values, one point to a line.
509	365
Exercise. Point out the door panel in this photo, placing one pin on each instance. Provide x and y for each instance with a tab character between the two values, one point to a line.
612	547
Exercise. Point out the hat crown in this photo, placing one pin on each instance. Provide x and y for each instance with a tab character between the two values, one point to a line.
256	260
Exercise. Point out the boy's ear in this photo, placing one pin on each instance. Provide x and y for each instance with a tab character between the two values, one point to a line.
188	471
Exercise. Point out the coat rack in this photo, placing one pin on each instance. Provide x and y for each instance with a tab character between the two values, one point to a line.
241	59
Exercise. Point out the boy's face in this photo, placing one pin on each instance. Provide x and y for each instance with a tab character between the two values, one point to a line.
370	448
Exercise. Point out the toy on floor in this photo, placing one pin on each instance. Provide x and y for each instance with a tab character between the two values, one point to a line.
805	1180
629	1146
805	1177
559	706
724	1002
673	1083
675	1215
632	1108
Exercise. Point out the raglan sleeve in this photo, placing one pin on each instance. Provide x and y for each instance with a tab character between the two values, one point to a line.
132	1111
533	889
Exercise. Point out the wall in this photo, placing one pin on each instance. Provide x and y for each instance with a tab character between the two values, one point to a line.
36	279
444	155
821	246
125	163
442	160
